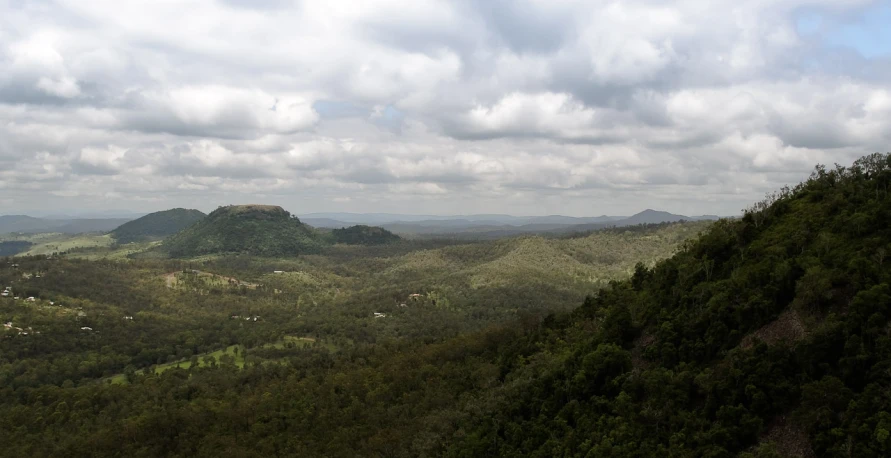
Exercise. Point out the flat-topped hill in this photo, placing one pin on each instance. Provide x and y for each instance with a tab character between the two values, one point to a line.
156	225
255	210
262	230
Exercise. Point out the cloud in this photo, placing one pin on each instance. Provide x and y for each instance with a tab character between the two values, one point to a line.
531	107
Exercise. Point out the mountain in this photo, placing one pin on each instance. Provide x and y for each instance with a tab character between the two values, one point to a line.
655	216
326	223
767	336
492	226
101	214
364	235
22	223
28	224
156	225
262	230
380	219
652	217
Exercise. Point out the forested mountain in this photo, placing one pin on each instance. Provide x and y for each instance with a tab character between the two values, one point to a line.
263	230
156	225
765	336
363	235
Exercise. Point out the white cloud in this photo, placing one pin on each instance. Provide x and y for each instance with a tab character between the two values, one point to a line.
534	107
223	107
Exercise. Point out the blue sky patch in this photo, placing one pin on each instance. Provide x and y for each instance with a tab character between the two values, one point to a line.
868	33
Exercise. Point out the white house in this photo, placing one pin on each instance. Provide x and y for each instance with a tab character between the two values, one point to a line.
86	328
380	315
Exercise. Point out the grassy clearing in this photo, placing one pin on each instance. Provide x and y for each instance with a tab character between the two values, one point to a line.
187	363
204	279
47	244
298	341
119	252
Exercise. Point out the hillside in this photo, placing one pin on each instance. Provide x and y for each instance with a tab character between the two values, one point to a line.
768	335
156	225
262	230
765	336
363	235
13	247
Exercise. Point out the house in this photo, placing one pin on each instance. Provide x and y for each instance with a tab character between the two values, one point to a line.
414	296
5	294
379	315
403	305
7	325
86	328
128	317
31	299
278	271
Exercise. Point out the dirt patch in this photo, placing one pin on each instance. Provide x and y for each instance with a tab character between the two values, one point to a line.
640	344
170	279
787	327
789	438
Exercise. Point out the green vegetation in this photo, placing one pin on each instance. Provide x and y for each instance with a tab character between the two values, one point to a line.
363	235
767	336
156	225
763	336
261	230
45	244
13	247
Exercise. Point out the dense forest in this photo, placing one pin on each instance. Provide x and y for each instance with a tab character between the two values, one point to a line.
363	235
156	225
763	336
262	230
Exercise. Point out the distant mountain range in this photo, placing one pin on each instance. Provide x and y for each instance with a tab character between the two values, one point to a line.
31	225
492	226
336	219
481	225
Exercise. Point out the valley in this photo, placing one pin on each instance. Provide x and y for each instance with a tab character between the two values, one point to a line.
748	336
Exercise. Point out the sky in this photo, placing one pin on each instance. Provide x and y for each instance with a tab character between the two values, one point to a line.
525	107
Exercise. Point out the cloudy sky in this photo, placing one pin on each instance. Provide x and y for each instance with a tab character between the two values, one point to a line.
523	107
